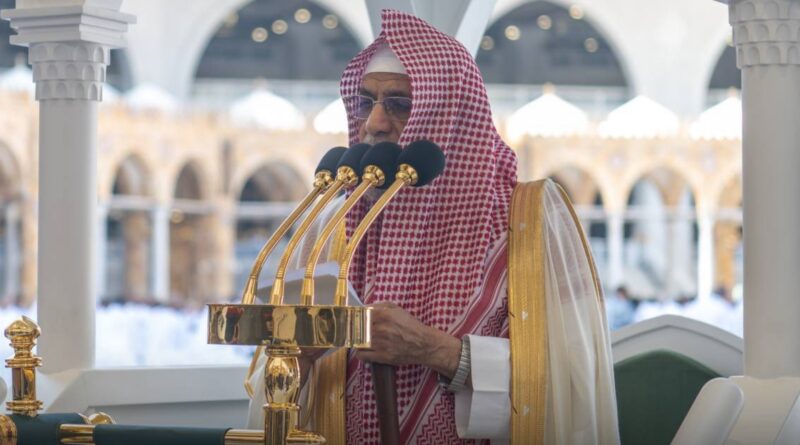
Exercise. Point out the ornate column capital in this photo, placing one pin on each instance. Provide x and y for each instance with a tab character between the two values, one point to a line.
766	32
69	45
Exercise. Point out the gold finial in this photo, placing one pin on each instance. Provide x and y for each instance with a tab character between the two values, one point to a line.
23	334
100	418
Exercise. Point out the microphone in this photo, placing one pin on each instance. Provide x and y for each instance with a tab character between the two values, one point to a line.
346	177
379	161
419	164
323	177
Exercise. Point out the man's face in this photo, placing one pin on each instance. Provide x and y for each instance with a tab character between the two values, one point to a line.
382	125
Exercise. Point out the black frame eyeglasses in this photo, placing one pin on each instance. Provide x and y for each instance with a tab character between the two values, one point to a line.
397	107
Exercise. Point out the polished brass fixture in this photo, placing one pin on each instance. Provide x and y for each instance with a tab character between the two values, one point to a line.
23	334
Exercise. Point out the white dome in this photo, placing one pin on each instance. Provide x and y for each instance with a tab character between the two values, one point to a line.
19	78
263	109
332	119
639	118
722	121
548	116
150	97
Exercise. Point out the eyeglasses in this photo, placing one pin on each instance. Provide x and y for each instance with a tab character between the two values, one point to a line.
361	106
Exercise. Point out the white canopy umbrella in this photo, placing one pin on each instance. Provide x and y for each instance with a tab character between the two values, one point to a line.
722	121
548	116
148	96
332	119
264	109
639	118
19	79
110	94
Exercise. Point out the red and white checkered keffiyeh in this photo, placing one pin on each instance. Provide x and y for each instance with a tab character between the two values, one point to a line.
437	251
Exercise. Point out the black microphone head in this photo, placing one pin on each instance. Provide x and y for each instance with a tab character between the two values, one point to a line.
384	156
352	157
330	160
426	158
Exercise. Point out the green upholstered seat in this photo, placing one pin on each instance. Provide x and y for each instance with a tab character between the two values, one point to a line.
654	392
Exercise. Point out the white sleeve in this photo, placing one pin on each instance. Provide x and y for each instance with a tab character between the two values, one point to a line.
484	412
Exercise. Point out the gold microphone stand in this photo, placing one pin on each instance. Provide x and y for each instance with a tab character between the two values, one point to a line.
284	329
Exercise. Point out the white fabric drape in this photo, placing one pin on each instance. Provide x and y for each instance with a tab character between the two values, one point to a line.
581	403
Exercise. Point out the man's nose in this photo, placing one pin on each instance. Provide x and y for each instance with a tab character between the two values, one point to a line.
378	121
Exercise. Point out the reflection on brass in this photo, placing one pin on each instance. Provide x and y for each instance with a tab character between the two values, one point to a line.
346	177
23	334
289	325
76	434
406	175
322	180
8	431
100	418
243	437
282	389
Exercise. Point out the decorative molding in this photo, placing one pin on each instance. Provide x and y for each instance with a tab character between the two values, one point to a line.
82	23
69	46
73	70
766	32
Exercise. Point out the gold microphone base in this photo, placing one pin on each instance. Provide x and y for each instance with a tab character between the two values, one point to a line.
316	326
283	330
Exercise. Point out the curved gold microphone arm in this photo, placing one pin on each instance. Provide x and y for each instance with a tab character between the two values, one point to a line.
373	177
322	181
345	177
406	175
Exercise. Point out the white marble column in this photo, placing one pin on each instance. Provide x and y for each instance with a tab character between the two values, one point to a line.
69	44
102	248
615	226
705	256
159	264
12	252
766	34
768	53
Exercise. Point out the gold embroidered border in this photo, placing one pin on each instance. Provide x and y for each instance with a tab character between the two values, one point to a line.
329	400
527	314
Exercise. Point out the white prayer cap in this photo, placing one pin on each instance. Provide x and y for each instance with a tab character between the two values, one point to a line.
384	61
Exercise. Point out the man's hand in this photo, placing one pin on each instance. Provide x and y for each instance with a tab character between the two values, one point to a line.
400	339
